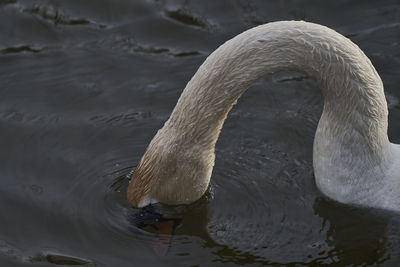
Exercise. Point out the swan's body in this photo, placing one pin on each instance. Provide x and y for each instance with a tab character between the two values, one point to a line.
354	162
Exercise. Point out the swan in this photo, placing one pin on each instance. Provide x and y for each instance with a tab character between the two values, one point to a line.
353	159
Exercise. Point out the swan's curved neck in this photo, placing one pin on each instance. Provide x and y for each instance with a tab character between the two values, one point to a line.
351	138
355	104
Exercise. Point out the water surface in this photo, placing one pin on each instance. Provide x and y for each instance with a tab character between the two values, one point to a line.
85	85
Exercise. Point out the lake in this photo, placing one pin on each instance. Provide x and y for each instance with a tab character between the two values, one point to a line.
85	85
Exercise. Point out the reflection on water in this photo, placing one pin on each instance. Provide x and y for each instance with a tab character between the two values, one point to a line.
345	235
361	233
85	85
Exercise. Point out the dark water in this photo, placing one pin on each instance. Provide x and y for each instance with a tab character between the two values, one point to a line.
84	86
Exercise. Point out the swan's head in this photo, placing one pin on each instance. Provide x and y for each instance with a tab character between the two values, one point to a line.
171	171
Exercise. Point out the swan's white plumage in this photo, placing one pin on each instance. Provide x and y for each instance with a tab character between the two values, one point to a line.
354	162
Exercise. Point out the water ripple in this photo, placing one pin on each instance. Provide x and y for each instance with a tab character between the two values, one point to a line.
371	30
58	18
136	47
21	49
58	259
185	17
7	2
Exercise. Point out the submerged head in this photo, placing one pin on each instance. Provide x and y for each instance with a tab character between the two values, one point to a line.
170	172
